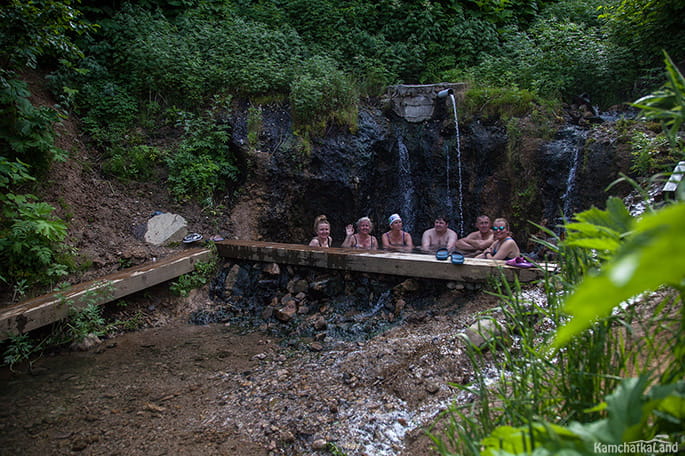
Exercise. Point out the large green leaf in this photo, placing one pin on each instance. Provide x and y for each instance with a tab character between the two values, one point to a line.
653	255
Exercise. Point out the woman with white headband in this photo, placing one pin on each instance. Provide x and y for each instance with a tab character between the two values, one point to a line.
396	239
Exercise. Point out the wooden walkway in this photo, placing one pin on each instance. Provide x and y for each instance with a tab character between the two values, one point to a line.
43	310
34	313
378	261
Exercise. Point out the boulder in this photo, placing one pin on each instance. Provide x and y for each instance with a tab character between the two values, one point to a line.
165	228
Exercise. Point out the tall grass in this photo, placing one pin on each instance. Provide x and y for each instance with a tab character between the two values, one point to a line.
533	383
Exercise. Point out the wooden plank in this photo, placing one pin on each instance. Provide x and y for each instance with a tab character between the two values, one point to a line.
676	177
43	310
378	261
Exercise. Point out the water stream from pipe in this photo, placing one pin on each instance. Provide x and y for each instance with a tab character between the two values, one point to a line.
460	194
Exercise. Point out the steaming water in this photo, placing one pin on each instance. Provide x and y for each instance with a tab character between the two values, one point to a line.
406	185
460	194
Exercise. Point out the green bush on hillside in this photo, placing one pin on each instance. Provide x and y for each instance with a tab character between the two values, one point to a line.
321	92
31	237
203	162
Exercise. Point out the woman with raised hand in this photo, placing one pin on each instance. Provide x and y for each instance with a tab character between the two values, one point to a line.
363	238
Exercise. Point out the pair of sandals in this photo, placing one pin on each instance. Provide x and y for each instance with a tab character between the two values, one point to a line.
192	237
455	257
520	262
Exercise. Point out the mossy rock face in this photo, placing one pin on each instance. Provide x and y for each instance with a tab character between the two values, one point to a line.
499	167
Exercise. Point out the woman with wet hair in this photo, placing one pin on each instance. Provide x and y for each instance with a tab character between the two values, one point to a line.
363	238
322	230
504	247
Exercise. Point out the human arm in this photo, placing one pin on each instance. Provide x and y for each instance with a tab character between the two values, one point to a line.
385	240
476	241
508	249
409	243
452	239
426	241
349	237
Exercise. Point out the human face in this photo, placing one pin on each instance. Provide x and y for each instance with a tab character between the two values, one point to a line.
483	224
500	230
396	225
440	225
323	230
364	227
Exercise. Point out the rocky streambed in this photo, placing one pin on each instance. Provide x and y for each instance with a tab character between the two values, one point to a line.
267	360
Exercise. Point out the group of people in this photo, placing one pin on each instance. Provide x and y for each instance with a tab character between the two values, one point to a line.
491	241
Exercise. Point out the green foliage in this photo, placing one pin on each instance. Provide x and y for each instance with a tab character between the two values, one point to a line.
254	125
110	112
84	315
30	236
19	350
667	105
645	28
650	153
204	162
498	102
650	256
30	29
320	92
134	163
85	321
26	131
199	277
632	416
552	58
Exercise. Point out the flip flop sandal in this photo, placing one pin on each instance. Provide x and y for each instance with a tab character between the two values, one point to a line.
519	262
457	258
442	254
192	237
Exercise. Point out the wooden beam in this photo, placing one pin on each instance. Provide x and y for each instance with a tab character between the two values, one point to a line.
378	261
43	310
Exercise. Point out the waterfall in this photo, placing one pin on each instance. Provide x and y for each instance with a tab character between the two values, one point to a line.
406	185
460	193
566	198
565	152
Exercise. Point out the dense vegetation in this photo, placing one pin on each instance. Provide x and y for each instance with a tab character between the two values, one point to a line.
126	69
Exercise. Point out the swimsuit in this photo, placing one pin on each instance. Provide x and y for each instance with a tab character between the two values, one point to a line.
494	250
396	245
328	241
356	244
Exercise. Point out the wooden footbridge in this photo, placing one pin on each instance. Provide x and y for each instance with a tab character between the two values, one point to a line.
37	312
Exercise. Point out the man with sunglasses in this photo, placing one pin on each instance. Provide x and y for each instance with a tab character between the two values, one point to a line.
504	247
476	242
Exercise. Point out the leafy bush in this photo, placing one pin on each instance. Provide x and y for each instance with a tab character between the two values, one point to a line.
109	112
196	279
26	131
320	92
31	237
31	29
204	162
134	163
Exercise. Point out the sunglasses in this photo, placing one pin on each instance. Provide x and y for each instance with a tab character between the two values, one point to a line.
498	228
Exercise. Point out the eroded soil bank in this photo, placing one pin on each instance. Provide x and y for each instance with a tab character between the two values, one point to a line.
235	388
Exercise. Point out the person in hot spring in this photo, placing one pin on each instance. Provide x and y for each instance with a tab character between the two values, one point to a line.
363	239
396	239
322	229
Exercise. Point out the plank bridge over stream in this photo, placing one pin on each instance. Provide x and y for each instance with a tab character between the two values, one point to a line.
43	310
